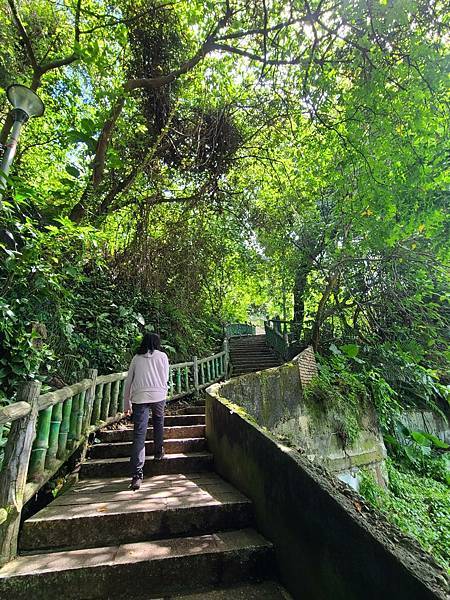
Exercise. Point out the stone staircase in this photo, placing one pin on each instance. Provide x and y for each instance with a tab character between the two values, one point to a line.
250	353
185	534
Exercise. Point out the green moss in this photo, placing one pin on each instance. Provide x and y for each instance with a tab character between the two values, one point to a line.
338	396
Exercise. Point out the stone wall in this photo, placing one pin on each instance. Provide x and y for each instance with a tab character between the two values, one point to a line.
275	400
425	420
329	544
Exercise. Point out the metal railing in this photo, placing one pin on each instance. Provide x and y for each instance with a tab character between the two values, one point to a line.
46	429
280	337
235	329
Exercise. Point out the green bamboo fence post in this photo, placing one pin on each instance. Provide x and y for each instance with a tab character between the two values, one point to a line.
170	382
80	415
89	403
105	402
40	445
208	371
64	429
55	425
114	398
186	378
97	404
203	372
71	438
14	478
121	405
195	370
178	379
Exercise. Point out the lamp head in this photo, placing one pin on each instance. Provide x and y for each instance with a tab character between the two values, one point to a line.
24	99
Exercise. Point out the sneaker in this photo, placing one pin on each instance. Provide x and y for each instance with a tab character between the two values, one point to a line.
135	483
159	455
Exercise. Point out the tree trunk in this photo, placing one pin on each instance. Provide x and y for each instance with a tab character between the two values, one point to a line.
301	279
315	335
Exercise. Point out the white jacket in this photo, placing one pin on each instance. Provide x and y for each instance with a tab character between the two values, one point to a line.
147	373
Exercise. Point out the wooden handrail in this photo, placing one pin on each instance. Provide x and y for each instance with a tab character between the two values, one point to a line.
15	411
51	398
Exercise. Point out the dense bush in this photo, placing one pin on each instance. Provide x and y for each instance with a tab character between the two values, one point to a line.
418	505
58	276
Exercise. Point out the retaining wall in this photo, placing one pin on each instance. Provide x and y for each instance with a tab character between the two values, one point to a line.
329	545
274	398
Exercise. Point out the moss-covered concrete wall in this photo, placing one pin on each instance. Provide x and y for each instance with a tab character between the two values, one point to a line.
425	420
329	545
275	400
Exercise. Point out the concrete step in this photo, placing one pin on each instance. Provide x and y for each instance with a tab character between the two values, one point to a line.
256	360
175	432
198	409
249	347
267	590
252	354
237	372
176	565
263	361
249	338
262	352
172	463
170	420
254	367
123	449
103	512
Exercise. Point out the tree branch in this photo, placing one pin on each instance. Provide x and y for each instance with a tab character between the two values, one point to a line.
149	84
103	141
256	57
23	34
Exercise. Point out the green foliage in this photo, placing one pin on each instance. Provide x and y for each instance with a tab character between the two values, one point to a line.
421	452
340	394
417	504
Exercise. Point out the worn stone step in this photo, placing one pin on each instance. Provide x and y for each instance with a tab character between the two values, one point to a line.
249	347
255	360
174	432
172	463
176	565
266	590
196	419
123	449
198	409
256	365
103	512
236	373
252	356
260	340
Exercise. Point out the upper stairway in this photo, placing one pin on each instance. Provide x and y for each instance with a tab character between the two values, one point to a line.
249	353
185	534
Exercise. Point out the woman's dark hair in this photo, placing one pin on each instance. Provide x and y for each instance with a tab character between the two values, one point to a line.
149	343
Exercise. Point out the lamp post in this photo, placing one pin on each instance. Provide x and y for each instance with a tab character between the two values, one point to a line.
26	104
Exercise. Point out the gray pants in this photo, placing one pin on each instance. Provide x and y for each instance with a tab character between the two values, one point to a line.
140	421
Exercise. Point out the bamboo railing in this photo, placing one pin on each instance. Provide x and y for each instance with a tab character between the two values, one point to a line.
46	429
